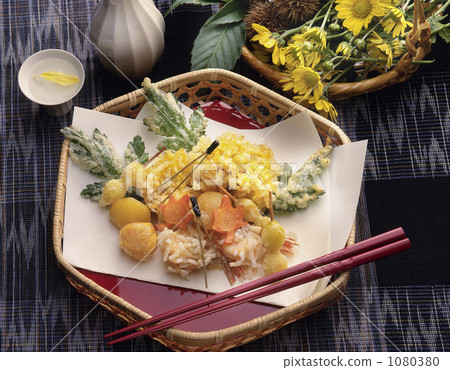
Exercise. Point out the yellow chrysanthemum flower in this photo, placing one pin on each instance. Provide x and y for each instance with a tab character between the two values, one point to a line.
261	53
324	106
317	36
294	58
395	22
384	50
301	52
304	81
344	48
288	81
359	13
264	36
270	40
306	48
278	55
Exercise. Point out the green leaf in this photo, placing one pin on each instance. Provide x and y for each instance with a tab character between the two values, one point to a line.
96	154
168	119
233	11
445	34
438	28
135	150
177	3
144	158
93	191
218	46
110	159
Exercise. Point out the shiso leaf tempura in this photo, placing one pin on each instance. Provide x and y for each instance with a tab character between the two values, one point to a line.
93	191
96	154
135	151
168	120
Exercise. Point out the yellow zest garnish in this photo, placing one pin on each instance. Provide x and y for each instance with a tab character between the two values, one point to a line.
60	78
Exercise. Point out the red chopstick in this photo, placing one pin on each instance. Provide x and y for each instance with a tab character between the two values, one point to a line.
364	246
307	277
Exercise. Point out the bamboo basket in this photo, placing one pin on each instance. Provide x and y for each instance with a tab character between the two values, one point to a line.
418	44
266	107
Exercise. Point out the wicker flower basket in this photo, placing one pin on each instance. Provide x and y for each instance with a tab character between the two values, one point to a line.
264	106
418	44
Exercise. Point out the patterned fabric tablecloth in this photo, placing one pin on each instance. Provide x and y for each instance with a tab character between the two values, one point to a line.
398	304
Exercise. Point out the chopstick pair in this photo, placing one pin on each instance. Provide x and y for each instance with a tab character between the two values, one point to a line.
369	250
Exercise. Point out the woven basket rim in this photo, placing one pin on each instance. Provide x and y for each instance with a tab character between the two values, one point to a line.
175	338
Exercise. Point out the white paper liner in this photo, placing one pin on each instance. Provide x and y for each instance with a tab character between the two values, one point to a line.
91	240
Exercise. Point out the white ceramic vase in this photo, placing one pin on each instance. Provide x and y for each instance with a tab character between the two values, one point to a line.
128	35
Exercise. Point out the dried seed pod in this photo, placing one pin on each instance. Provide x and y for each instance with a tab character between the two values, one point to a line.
263	12
296	11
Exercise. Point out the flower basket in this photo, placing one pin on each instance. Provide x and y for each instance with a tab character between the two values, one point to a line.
418	44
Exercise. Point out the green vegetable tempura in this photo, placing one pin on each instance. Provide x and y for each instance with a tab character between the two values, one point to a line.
301	186
168	120
93	191
96	154
135	151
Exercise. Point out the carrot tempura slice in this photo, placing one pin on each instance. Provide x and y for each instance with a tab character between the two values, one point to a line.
176	213
226	219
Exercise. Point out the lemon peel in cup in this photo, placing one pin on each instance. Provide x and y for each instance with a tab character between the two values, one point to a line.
60	78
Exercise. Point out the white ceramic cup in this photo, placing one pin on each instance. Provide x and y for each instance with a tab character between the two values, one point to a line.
55	98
